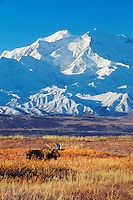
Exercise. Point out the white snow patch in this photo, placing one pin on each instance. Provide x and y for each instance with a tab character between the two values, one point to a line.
123	35
76	84
123	65
104	71
55	53
123	101
91	84
15	95
122	87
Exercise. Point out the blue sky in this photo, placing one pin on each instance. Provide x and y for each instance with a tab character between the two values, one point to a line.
24	21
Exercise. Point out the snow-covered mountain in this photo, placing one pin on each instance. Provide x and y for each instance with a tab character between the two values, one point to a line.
68	74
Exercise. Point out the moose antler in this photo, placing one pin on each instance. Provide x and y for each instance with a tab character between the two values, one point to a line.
58	146
48	146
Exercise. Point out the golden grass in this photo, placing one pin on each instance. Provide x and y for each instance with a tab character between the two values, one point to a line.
75	138
77	174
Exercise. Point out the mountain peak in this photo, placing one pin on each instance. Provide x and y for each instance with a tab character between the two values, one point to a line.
57	36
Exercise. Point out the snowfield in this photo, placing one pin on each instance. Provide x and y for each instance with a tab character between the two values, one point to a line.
68	74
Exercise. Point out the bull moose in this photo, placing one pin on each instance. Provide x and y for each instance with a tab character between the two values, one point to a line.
44	153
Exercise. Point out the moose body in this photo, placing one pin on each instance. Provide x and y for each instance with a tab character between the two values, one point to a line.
45	154
35	153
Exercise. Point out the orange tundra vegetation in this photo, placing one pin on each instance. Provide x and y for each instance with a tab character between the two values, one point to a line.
89	168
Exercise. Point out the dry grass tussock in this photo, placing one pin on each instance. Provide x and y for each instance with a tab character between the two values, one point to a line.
78	174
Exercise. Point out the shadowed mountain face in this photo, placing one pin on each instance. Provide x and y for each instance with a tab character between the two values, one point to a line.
66	74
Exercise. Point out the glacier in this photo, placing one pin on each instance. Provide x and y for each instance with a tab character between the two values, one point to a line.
69	74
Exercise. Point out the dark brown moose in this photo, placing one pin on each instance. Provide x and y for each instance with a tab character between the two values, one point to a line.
44	153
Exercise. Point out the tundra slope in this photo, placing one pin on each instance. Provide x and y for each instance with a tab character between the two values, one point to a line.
68	74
